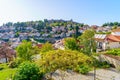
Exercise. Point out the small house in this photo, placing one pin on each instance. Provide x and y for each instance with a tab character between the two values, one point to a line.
108	41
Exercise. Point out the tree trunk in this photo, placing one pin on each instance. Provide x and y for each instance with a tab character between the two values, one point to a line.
6	58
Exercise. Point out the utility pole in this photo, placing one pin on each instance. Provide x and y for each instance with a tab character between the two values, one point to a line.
94	62
94	73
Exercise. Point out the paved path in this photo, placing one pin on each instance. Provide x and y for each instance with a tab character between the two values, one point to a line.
101	74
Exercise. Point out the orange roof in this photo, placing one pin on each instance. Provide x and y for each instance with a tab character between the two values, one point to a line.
113	38
116	30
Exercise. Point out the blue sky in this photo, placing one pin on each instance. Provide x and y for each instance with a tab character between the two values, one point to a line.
84	11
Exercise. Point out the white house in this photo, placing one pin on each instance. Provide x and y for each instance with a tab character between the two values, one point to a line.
107	41
101	41
113	41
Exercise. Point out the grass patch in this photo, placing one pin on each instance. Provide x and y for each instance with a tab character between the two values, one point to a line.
5	72
3	66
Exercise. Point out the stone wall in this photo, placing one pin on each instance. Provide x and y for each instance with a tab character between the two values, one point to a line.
110	60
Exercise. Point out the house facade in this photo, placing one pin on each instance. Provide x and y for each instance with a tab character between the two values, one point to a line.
107	41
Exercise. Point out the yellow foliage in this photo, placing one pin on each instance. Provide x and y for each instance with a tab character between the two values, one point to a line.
62	59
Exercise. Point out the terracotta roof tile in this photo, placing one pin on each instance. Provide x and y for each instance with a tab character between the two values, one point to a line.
113	38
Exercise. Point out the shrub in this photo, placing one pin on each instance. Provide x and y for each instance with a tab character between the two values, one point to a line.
115	52
1	68
62	59
27	71
100	64
83	69
105	64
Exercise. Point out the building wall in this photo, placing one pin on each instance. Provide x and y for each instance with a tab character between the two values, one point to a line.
104	46
101	45
113	45
109	45
110	60
3	60
116	33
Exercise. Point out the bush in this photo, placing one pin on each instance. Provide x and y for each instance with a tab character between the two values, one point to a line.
83	69
100	64
62	59
27	71
1	68
115	52
105	64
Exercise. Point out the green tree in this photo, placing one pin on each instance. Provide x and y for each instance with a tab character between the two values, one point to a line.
25	50
111	24
27	71
114	27
70	43
46	47
105	24
76	32
17	34
9	24
87	41
40	25
116	23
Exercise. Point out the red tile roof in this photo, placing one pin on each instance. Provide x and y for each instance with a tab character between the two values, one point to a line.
113	38
110	38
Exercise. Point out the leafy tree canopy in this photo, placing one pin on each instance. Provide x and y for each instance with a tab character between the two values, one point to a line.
25	50
70	43
87	41
111	24
27	71
46	47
